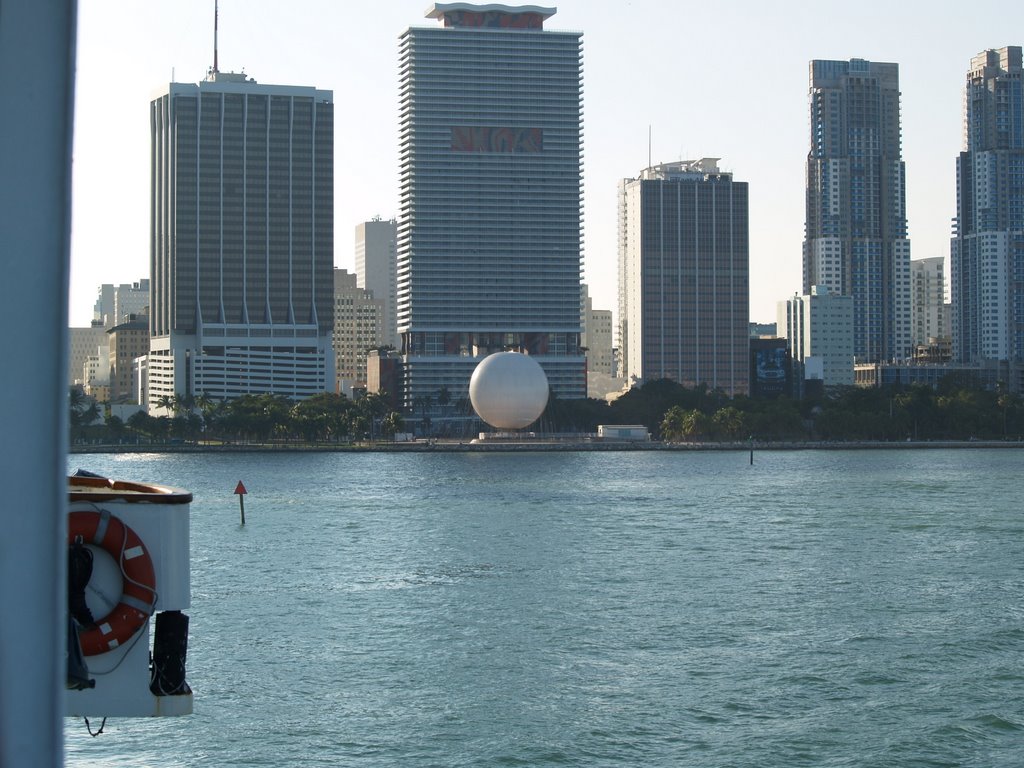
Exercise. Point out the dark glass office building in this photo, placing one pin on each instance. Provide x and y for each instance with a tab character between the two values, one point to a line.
242	248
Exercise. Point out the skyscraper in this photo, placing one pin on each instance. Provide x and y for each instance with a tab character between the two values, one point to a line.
855	242
490	216
987	253
242	247
684	267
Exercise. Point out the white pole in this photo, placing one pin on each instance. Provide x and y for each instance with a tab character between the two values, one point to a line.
37	55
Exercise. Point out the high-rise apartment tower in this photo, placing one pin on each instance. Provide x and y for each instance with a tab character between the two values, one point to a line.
855	241
987	253
242	247
684	267
490	214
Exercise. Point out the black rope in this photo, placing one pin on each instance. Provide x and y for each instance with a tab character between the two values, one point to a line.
94	735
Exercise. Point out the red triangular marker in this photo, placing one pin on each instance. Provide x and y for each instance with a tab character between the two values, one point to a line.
240	489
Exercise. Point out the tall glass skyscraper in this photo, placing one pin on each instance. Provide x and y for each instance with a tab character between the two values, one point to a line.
490	212
855	242
242	249
987	253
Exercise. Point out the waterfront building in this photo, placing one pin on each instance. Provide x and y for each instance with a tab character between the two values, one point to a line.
819	329
685	276
242	245
855	241
377	269
358	331
490	214
987	251
928	301
127	342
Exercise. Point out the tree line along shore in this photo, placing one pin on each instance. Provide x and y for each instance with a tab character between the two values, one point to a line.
676	417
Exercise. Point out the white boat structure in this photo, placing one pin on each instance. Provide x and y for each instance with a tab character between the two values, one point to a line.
128	563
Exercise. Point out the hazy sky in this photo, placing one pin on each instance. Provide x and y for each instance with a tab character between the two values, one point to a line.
713	79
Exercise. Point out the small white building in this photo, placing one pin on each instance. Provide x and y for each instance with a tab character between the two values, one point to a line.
631	432
819	330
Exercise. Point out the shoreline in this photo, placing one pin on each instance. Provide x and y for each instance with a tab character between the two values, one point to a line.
498	446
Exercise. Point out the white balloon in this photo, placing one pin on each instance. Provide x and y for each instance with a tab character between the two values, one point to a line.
508	390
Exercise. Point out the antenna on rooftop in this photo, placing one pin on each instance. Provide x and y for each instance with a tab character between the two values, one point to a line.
648	145
215	15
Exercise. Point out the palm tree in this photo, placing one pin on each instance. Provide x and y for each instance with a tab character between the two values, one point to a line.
392	424
83	412
729	421
166	402
696	424
672	424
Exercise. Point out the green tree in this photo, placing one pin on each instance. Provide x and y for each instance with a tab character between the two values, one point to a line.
392	424
84	411
673	424
696	424
729	422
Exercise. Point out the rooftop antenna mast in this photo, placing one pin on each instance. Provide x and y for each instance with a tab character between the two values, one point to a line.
215	15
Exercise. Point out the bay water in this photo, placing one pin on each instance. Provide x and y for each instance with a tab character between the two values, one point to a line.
816	608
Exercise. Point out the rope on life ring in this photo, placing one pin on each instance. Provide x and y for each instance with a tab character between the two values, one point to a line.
138	579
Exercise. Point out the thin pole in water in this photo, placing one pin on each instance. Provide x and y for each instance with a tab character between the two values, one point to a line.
751	450
240	492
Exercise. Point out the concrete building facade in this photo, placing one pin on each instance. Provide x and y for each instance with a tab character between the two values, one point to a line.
84	343
684	270
115	302
928	300
597	337
819	330
358	328
128	341
855	241
489	226
987	250
242	247
377	270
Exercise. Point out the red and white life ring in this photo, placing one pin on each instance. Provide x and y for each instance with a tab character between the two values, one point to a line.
138	590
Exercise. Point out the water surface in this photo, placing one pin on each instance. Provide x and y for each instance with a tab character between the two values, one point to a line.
819	608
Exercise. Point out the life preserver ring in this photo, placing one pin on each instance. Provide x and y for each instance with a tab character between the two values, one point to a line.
138	579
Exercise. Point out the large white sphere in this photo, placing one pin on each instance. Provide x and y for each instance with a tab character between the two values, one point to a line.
508	390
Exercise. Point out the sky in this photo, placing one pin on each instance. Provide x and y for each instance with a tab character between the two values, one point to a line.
665	80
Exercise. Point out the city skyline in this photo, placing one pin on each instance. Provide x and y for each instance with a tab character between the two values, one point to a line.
739	81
